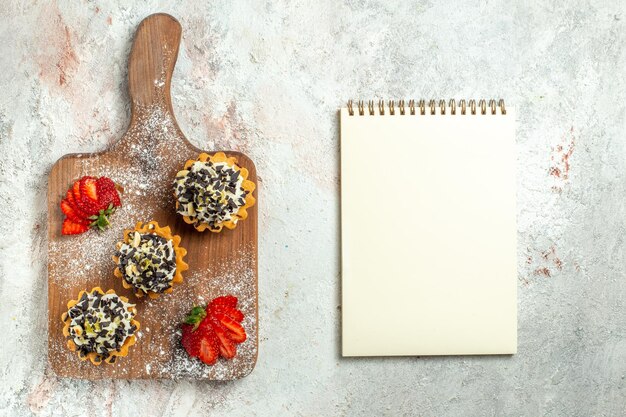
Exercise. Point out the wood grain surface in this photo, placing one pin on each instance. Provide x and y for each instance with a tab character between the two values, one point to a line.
144	161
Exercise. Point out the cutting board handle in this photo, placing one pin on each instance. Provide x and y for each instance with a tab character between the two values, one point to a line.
152	59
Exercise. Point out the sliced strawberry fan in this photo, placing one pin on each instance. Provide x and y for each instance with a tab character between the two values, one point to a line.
88	204
213	331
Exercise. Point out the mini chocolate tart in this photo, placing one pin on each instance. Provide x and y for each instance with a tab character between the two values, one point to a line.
100	326
213	192
149	260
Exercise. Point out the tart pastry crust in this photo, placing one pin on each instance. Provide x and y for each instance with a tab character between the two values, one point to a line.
247	186
95	357
152	227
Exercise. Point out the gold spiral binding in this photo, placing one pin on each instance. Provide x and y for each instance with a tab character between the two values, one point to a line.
361	108
483	106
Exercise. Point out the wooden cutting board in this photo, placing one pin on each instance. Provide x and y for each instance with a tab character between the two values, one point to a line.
144	161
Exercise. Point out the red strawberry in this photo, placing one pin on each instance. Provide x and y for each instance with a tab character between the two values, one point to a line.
191	340
200	344
226	305
211	348
69	196
76	191
190	333
71	213
88	189
82	208
214	330
88	207
71	228
199	339
228	350
235	314
95	194
107	193
209	351
235	330
106	197
224	301
88	201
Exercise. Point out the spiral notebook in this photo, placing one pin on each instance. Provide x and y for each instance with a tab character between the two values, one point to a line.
428	228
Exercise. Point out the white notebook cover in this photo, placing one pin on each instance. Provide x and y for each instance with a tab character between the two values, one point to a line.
428	234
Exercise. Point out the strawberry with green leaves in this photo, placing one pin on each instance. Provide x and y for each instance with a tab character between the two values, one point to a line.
214	330
199	340
89	203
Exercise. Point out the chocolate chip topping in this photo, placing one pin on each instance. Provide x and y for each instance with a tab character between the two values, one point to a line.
100	323
210	193
147	262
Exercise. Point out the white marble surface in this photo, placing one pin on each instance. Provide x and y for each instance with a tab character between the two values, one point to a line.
267	78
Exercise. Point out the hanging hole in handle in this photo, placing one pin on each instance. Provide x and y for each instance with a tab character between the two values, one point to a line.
452	105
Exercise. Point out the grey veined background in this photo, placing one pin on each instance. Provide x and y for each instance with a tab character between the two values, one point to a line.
266	78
